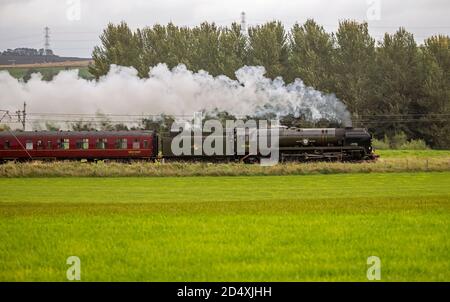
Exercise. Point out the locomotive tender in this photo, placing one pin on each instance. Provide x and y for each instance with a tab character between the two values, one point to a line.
295	144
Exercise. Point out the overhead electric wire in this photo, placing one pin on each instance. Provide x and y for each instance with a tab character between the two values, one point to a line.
142	119
112	118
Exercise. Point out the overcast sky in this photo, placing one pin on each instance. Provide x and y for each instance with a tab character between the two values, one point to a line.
76	24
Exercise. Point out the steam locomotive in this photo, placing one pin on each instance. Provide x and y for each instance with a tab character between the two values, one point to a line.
329	143
294	144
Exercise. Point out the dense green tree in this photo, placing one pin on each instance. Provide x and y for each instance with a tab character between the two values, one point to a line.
312	56
268	47
206	45
120	46
154	44
398	81
232	50
169	44
354	63
435	128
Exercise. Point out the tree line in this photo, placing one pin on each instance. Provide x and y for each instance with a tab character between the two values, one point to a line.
391	86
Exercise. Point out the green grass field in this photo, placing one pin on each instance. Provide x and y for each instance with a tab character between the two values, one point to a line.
260	228
389	161
413	153
19	73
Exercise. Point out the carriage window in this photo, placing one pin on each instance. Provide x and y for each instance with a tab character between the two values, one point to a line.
6	145
122	143
65	143
49	144
83	144
145	144
136	144
29	145
39	144
101	143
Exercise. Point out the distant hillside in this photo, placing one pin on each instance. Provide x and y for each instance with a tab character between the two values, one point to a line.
21	56
48	70
69	64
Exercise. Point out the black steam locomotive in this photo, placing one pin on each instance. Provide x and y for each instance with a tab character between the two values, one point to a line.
294	144
328	143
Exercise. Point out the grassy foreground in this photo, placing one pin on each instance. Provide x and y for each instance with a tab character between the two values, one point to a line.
414	153
272	228
390	161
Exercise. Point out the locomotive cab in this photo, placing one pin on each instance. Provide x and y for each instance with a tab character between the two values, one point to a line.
359	137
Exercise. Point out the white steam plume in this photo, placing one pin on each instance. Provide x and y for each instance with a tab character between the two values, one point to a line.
176	92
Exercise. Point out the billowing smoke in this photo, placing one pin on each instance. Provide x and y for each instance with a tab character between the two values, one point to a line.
174	92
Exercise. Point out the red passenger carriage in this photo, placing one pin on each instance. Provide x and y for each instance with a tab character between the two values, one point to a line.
75	145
